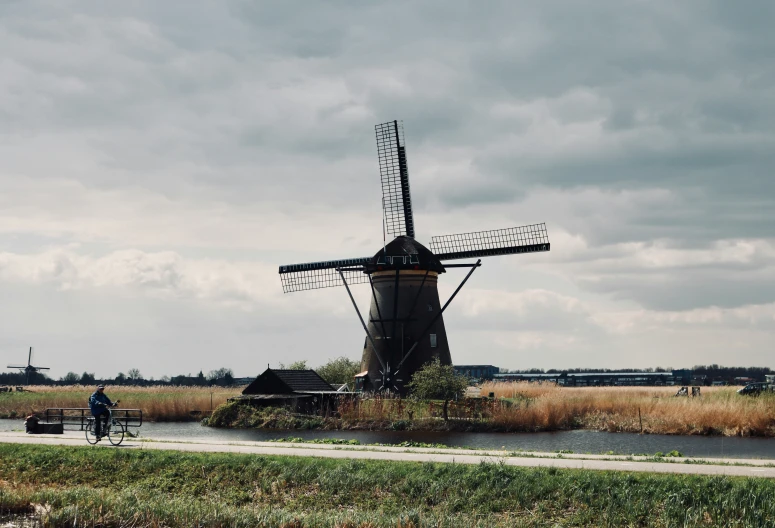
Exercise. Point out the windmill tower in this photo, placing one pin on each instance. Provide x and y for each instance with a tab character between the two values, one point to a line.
405	328
28	369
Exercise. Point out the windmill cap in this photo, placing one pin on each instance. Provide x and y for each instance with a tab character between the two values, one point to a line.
406	253
100	386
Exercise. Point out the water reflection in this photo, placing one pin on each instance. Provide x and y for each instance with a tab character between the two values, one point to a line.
19	521
576	441
594	442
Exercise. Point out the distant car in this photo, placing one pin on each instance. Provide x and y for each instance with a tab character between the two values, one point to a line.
753	389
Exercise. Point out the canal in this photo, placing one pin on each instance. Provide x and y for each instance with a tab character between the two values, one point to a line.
579	441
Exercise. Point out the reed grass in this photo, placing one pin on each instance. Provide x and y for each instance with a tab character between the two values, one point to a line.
519	406
159	403
719	410
82	486
528	407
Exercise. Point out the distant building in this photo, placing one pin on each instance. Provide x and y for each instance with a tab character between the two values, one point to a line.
479	372
682	376
595	379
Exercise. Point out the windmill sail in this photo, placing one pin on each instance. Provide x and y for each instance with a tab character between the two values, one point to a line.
394	173
29	369
526	239
324	274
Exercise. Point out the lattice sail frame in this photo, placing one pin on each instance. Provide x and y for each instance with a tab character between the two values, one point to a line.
394	173
316	275
526	239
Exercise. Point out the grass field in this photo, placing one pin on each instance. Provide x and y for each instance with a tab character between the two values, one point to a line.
86	486
163	403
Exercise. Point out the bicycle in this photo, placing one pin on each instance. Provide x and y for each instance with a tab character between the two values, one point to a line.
113	429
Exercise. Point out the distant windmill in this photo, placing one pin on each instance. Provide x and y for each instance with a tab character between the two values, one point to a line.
29	369
405	328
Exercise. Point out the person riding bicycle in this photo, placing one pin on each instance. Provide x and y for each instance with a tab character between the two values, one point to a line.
98	403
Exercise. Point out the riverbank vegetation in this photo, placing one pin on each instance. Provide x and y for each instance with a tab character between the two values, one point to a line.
718	410
163	404
530	407
517	407
106	487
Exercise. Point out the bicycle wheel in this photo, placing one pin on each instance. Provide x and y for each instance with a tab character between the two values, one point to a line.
90	436
116	433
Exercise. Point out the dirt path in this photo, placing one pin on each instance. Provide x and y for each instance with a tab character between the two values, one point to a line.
696	466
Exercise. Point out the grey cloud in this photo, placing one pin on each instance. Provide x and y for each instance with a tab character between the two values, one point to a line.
105	332
685	291
678	278
243	132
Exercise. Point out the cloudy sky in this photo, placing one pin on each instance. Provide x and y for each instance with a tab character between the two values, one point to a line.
160	160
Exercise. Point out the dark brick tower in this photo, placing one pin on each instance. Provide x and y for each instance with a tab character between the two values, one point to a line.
405	319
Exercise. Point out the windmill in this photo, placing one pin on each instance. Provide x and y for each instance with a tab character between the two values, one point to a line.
405	327
28	369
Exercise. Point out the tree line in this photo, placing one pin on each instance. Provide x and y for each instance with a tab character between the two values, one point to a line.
337	371
218	377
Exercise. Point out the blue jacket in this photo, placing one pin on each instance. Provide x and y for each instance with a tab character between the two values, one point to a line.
97	403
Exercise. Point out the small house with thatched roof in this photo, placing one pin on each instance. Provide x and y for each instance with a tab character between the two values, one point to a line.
302	390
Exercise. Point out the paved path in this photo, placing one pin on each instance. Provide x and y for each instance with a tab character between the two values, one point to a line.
709	466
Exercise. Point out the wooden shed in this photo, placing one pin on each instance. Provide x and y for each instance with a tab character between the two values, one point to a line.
302	390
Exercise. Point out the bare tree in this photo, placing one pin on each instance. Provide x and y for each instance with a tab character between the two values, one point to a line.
296	365
71	378
221	373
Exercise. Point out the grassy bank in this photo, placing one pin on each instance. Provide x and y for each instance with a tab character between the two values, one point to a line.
169	404
115	487
527	407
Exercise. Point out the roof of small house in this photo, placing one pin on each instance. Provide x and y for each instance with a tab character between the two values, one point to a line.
283	381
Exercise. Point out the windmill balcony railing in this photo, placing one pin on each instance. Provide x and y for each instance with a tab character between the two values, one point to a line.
76	418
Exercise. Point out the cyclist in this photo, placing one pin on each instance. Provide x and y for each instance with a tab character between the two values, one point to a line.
98	403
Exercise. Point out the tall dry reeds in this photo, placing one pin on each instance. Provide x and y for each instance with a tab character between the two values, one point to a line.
158	403
522	406
518	406
719	410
